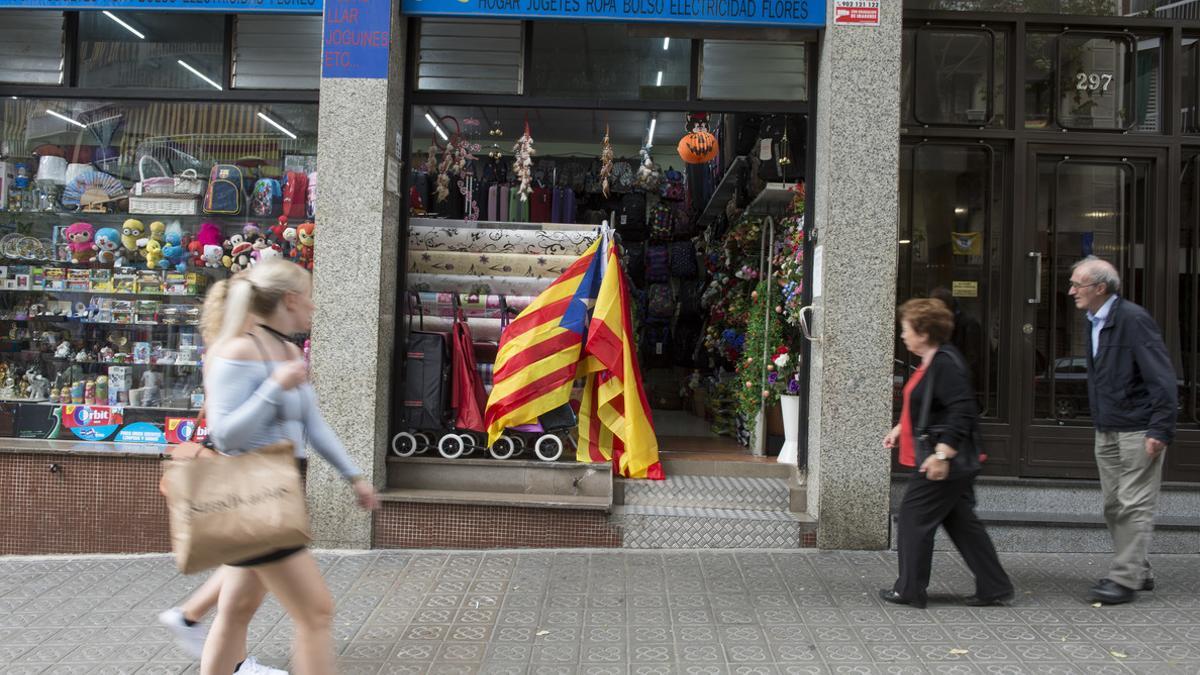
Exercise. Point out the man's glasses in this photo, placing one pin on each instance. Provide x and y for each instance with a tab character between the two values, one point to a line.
1075	285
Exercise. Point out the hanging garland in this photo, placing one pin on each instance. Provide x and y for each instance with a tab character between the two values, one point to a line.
523	164
606	163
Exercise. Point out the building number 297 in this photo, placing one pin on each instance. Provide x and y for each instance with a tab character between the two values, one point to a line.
1093	81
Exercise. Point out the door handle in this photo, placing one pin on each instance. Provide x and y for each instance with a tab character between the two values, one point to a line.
1037	279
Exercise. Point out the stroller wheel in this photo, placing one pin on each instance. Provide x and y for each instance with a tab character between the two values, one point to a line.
521	444
424	442
469	444
404	444
451	446
548	448
503	448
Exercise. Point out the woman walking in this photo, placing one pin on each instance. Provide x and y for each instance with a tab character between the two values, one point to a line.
938	434
257	393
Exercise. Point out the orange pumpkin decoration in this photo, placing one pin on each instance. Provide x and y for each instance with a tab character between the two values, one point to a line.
698	147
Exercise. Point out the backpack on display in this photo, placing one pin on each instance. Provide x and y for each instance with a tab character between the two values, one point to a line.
685	227
225	195
266	201
683	260
771	146
656	344
310	205
674	186
658	264
635	263
662	223
295	195
631	223
662	301
689	299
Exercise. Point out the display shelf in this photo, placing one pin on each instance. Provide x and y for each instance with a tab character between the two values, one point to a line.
92	362
103	294
499	225
115	219
774	200
722	194
125	406
79	322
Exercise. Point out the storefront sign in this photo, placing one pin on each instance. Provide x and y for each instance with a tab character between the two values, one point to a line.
92	422
239	6
357	38
184	429
965	289
784	13
856	12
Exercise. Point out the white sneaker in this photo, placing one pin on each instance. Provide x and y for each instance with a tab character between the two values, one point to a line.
189	638
251	666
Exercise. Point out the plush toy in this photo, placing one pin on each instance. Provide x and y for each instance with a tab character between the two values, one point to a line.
251	231
63	351
158	232
174	255
154	254
306	239
214	256
209	235
79	235
131	231
107	245
240	257
270	253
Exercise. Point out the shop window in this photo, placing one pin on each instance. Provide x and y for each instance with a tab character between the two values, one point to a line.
1191	86
951	248
31	47
954	77
604	61
164	50
116	330
1093	82
1188	349
277	52
753	71
1154	8
470	56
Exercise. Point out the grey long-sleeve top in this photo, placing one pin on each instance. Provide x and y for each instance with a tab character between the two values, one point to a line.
247	409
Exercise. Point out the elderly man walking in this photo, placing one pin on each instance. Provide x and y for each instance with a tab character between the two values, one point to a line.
1134	405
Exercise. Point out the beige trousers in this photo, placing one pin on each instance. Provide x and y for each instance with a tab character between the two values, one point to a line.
1130	482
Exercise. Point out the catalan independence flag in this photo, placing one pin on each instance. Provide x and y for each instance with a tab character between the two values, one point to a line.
540	350
614	415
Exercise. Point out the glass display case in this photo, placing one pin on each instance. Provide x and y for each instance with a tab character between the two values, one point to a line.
116	219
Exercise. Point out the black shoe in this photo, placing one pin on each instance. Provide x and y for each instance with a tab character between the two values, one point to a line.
1110	592
995	601
1147	585
896	599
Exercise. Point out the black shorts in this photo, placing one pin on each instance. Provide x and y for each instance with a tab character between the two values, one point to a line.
273	556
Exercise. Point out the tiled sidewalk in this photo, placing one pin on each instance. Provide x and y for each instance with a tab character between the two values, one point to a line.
623	612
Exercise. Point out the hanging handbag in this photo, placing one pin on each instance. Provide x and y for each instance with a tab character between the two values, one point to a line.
226	508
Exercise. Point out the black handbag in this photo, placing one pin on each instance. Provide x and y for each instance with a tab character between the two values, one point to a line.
966	461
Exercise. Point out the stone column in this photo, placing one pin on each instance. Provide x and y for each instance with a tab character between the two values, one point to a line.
354	276
856	189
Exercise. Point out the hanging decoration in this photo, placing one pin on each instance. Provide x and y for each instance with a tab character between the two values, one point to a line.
523	163
606	164
649	176
699	145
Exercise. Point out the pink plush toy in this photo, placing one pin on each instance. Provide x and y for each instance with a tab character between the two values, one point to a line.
79	236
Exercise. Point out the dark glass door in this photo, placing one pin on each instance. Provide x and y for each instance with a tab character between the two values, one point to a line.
1183	339
1106	202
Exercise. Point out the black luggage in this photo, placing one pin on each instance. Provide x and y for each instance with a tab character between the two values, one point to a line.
426	400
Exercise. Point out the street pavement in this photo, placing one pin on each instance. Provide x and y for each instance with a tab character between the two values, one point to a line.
570	611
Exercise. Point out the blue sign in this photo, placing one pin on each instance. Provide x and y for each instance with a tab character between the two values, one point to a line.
778	13
141	432
357	37
239	6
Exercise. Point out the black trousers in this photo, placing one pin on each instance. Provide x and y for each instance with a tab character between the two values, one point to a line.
950	503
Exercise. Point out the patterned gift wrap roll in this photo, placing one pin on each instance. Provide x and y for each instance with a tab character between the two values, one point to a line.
501	225
477	284
482	329
473	305
488	240
490	264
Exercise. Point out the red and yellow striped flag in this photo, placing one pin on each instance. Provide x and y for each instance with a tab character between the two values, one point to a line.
540	350
614	415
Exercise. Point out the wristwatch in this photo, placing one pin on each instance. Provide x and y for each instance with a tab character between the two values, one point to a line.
941	456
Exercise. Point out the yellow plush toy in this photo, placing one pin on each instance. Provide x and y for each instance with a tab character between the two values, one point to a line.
131	231
158	232
153	254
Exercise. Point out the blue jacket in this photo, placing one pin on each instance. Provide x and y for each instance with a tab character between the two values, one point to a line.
1132	385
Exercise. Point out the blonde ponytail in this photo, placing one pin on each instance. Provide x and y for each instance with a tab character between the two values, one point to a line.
238	295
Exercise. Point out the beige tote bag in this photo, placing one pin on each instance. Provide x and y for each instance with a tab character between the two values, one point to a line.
229	508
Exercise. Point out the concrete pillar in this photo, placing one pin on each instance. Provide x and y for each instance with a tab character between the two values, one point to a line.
856	189
354	277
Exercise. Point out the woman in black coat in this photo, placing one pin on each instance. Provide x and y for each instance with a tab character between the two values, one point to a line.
938	432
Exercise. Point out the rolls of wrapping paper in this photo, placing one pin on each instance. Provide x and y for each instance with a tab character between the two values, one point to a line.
488	240
473	305
481	329
500	225
493	264
477	284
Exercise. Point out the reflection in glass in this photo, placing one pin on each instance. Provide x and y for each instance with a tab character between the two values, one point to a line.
1187	352
1083	208
602	60
1191	86
165	50
949	249
958	76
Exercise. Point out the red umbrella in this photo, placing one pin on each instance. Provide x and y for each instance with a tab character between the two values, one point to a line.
467	396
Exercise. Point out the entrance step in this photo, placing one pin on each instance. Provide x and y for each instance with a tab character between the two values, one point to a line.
676	527
1066	516
720	492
